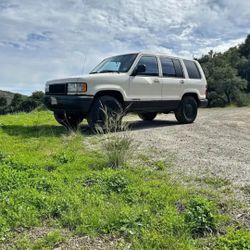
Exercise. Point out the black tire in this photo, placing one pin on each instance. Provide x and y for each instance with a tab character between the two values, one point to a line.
187	110
150	116
69	121
105	114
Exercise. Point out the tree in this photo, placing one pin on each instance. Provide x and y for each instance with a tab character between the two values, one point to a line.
16	102
245	48
38	96
224	83
3	101
28	105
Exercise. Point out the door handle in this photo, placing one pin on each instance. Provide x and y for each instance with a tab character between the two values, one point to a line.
156	81
181	81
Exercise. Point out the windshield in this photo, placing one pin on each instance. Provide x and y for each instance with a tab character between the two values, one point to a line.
115	64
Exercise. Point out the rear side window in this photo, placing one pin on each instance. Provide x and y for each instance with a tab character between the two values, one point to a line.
151	65
167	67
171	67
178	68
192	69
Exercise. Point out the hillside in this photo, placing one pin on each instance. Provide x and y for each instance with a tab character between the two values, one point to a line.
15	102
8	95
59	189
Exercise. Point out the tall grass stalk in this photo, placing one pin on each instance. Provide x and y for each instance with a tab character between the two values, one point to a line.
118	145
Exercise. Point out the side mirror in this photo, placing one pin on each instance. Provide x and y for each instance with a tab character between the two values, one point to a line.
141	68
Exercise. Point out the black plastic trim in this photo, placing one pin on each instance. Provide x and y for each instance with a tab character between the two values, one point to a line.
203	103
70	104
152	106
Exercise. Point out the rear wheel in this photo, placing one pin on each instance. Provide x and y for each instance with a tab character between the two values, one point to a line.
105	114
187	110
150	116
69	121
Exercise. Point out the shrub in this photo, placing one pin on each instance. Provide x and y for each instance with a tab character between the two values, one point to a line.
242	100
199	217
215	100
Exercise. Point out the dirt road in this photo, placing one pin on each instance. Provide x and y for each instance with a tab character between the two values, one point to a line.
217	144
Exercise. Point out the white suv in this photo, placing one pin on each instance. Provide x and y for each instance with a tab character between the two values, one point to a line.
145	83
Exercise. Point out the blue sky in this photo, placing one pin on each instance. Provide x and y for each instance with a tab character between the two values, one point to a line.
42	40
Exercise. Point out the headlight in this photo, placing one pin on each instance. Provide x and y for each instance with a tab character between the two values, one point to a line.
77	88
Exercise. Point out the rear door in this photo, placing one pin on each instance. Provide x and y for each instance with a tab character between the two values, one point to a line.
173	79
146	86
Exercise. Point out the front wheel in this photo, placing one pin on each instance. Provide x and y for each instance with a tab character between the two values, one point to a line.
69	121
187	110
150	116
105	114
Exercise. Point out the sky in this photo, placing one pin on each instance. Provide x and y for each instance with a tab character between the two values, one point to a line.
48	39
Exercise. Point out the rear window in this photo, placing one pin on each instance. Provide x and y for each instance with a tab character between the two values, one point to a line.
192	69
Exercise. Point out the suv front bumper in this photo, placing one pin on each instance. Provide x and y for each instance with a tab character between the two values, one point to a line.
68	104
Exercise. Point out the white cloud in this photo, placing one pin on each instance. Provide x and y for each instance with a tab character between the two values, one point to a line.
48	39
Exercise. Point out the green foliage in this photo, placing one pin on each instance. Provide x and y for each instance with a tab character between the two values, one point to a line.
117	183
200	218
22	103
50	241
228	75
3	101
234	240
245	47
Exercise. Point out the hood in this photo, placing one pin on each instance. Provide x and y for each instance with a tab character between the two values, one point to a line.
83	78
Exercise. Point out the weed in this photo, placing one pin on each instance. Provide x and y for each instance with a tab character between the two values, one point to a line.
117	183
51	241
200	218
118	149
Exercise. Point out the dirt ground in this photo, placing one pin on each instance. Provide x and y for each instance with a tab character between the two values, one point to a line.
217	144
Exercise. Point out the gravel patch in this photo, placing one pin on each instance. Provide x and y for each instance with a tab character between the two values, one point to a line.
217	144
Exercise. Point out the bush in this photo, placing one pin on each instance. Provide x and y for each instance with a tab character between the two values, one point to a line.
215	100
242	100
199	217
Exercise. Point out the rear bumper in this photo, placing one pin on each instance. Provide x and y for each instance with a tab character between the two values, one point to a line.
68	104
203	103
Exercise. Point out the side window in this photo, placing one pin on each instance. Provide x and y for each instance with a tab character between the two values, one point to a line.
192	69
167	67
178	68
151	65
171	67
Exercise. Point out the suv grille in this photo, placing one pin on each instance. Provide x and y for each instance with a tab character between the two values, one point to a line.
58	89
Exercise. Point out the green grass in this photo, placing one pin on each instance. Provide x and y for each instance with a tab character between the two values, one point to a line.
60	180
